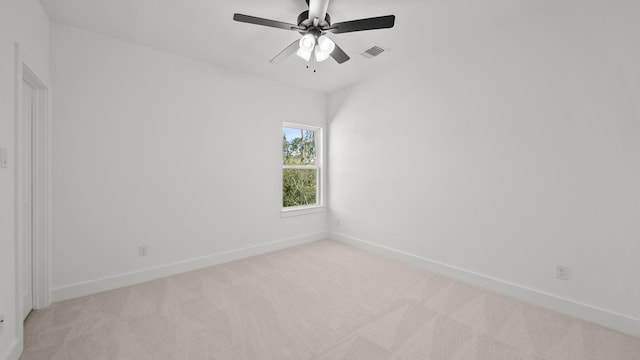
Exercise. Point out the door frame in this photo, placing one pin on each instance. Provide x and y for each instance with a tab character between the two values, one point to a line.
26	70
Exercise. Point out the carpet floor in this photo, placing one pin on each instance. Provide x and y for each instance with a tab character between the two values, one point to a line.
321	301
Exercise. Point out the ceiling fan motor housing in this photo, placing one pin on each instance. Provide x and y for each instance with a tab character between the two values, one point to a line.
304	16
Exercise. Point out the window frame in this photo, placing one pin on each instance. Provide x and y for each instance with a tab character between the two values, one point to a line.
318	167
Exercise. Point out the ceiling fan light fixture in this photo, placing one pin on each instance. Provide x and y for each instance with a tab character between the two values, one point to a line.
306	45
324	49
313	23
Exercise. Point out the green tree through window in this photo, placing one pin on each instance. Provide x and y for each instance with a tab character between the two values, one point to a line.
299	166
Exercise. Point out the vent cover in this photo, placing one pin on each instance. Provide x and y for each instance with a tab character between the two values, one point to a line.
373	52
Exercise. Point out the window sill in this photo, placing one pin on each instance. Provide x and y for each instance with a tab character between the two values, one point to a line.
302	210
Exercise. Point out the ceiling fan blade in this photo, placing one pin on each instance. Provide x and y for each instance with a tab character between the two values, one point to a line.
318	9
380	22
264	22
284	54
339	55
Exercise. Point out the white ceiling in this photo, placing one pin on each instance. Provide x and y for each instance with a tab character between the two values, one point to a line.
204	30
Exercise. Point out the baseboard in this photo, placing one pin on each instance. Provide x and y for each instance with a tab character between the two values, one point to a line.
136	277
612	320
14	351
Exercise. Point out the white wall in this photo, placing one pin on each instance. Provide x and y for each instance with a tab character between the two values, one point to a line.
154	149
503	157
25	23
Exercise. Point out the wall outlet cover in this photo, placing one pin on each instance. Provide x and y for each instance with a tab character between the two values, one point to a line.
4	158
562	272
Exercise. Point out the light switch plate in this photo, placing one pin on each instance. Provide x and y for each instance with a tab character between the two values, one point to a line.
3	157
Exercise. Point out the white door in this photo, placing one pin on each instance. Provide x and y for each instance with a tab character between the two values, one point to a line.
26	193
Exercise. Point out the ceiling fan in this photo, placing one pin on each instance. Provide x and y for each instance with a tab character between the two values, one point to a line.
313	25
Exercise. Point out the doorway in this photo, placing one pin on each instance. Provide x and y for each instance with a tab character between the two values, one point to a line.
32	194
24	152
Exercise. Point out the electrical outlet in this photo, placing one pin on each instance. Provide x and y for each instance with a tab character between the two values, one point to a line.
4	158
1	322
562	272
142	250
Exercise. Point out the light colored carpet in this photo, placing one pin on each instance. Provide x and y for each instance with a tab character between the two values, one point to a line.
323	300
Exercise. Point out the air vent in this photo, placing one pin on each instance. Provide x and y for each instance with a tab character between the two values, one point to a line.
373	52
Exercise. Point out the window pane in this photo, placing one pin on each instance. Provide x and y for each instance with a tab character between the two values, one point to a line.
298	187
298	146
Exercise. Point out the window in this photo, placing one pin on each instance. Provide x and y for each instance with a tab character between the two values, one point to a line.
301	178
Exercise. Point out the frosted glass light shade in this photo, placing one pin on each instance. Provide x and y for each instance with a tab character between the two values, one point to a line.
324	49
304	54
307	43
